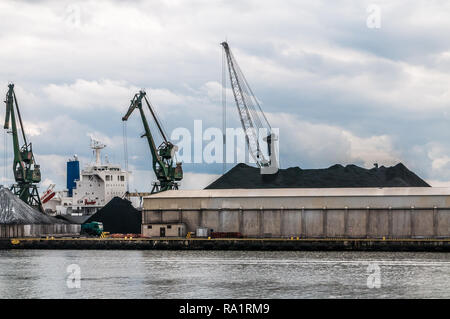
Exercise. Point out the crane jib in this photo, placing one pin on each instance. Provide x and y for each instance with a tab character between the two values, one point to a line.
162	156
249	109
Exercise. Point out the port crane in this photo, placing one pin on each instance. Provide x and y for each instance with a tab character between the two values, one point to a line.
163	156
27	173
248	108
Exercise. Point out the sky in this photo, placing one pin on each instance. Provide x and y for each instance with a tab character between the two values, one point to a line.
348	82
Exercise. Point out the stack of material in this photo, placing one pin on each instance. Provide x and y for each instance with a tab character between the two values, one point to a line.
17	219
244	176
118	216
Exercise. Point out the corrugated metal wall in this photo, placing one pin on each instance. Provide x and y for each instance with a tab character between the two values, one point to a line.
315	223
15	231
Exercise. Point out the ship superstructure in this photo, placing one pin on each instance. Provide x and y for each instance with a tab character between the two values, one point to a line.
92	188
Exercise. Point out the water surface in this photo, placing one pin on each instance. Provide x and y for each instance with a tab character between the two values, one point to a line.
223	274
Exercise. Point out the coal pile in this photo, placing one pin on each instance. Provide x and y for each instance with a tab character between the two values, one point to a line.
244	176
13	211
118	216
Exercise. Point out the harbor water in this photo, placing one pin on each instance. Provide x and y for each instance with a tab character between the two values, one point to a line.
222	274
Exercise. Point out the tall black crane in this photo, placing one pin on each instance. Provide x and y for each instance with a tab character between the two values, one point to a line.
252	117
162	156
26	172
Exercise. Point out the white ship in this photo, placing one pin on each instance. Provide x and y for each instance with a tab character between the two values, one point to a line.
89	190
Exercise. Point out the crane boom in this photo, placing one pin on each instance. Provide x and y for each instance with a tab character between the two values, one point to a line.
162	156
26	172
248	109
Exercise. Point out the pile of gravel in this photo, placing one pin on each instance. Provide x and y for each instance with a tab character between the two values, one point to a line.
118	216
14	211
244	176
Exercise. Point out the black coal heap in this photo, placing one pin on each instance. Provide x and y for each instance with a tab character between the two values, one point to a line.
244	176
118	216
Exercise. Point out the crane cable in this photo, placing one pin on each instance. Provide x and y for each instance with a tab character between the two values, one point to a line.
224	111
256	101
20	119
250	98
125	151
5	156
161	130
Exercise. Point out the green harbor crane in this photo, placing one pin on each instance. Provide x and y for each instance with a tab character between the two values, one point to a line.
26	172
163	156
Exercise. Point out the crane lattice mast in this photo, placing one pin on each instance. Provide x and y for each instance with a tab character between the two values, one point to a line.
251	115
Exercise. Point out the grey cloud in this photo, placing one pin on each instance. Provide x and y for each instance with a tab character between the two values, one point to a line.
316	61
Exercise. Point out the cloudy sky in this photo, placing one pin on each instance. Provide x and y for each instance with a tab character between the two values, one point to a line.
339	89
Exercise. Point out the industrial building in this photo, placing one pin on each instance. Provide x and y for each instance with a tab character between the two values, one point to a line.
398	212
164	230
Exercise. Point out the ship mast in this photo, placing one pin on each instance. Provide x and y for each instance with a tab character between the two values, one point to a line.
97	146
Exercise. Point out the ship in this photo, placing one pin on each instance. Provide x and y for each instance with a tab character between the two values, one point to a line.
89	190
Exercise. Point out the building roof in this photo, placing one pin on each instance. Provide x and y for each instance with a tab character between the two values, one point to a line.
299	198
304	192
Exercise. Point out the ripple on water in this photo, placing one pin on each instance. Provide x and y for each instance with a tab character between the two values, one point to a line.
223	274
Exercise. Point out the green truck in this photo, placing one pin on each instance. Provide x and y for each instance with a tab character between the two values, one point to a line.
92	228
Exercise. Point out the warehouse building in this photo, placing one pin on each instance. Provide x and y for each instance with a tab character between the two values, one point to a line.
398	212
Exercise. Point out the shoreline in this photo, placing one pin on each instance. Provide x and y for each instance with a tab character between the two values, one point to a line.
306	244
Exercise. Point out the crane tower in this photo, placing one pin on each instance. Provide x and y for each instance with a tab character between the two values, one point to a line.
252	117
27	173
163	156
